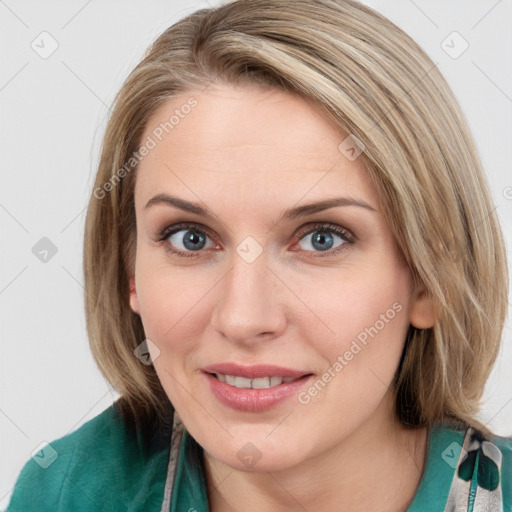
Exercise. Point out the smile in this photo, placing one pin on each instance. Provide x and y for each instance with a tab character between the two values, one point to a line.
253	388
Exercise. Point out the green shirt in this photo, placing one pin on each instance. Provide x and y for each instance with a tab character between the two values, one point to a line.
106	466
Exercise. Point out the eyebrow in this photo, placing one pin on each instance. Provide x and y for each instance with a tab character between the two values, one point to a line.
290	214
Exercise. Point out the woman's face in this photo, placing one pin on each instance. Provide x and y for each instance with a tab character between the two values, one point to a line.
263	285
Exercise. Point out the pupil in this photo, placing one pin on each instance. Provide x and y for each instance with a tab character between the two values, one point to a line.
191	239
320	238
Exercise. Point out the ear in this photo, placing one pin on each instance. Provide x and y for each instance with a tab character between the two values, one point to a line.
422	313
134	301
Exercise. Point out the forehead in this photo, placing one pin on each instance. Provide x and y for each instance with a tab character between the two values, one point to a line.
247	143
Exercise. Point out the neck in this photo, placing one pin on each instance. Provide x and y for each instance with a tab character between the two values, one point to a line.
377	467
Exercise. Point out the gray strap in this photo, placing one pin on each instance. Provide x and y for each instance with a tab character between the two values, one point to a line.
176	436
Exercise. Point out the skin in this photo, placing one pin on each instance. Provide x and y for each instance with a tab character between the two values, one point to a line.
248	153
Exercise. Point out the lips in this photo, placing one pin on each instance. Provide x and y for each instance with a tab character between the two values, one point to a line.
253	388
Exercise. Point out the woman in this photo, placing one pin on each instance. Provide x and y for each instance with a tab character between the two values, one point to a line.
294	278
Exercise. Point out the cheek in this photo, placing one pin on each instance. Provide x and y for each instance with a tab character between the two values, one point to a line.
370	322
173	313
362	298
173	305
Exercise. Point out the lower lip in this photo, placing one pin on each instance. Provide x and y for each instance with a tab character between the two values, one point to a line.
254	400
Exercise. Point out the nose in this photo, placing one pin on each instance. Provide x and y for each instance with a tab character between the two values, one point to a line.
250	308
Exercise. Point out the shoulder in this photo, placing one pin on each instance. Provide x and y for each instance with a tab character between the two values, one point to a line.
484	467
465	466
103	465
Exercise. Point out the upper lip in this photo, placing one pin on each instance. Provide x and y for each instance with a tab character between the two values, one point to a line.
255	371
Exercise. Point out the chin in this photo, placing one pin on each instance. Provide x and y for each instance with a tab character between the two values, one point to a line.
257	456
265	464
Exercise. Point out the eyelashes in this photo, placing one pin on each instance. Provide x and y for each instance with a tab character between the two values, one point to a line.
195	239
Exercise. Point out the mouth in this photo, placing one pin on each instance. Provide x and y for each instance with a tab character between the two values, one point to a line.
253	388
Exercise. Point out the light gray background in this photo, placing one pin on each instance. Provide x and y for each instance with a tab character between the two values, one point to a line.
53	115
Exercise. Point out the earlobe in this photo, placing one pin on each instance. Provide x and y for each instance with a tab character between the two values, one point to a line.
134	301
422	314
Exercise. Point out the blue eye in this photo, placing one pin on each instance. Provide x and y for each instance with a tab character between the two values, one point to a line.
185	238
324	239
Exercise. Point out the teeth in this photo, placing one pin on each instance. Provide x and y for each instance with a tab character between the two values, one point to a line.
258	383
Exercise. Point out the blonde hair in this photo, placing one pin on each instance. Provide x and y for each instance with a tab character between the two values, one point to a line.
375	83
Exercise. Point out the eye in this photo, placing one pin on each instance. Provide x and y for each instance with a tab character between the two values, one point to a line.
185	239
326	238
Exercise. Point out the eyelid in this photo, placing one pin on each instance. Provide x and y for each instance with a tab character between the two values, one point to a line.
327	226
178	226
